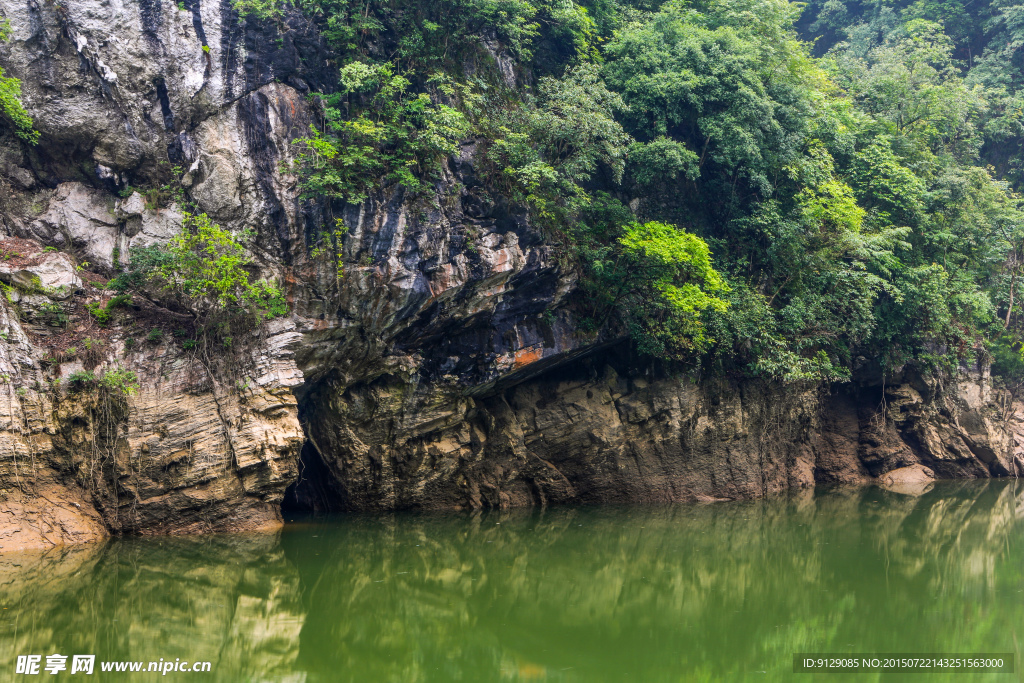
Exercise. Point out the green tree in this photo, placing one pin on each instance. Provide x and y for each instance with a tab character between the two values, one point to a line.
398	136
545	150
659	281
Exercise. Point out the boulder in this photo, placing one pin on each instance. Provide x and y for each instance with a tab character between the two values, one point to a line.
913	480
53	274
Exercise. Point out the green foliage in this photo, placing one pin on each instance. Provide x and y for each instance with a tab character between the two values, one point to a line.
262	9
727	82
398	137
119	382
431	35
13	110
860	203
144	262
10	98
661	160
667	283
103	312
544	151
80	380
204	270
329	246
53	313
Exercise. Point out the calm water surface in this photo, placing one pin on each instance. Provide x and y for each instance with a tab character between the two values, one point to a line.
686	593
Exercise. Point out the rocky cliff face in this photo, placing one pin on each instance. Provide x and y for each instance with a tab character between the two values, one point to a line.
441	370
598	431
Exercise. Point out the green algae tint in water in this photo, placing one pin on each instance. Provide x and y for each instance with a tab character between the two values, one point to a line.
686	593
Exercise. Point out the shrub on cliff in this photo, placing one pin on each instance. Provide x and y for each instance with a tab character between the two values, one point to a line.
396	136
10	99
659	281
118	382
206	272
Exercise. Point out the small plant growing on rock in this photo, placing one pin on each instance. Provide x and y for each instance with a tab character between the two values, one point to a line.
206	273
80	380
93	353
329	246
53	314
204	270
264	9
115	383
102	312
153	198
120	382
36	286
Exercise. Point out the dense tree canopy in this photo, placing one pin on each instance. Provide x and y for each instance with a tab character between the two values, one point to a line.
749	186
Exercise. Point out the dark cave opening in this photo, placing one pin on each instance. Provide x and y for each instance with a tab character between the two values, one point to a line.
315	490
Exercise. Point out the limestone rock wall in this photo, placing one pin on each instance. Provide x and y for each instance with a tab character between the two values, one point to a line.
180	455
603	431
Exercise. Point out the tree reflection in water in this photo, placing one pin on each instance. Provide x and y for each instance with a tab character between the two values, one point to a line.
576	594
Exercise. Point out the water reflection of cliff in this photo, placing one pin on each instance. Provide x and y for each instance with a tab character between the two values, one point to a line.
673	593
229	600
652	594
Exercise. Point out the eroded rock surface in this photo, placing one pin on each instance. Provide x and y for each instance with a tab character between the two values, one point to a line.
599	432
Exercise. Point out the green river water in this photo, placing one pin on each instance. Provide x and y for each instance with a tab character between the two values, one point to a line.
725	591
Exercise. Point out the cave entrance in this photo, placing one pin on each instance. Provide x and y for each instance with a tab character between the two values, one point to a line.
315	491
